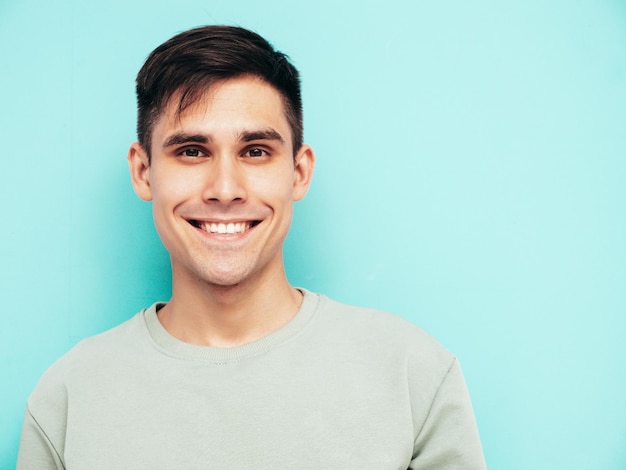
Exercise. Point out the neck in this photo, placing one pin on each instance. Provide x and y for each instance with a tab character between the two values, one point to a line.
227	316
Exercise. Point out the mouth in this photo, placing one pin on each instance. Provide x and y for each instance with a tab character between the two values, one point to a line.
228	228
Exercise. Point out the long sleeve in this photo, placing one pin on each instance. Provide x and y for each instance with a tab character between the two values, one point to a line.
36	451
448	439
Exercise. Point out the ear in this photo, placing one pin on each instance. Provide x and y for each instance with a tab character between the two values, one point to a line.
303	171
139	166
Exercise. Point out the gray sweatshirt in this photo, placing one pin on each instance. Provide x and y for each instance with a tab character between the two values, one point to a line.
339	387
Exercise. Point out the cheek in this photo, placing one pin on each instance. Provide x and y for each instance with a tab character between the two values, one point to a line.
171	188
273	186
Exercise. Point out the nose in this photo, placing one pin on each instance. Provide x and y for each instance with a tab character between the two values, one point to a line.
225	181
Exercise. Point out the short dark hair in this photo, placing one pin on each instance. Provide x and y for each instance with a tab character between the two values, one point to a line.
190	62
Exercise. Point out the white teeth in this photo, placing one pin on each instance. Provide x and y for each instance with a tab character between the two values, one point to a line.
230	228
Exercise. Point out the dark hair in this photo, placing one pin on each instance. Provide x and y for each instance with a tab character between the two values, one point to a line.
190	62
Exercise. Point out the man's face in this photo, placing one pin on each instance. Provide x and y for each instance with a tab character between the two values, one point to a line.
223	179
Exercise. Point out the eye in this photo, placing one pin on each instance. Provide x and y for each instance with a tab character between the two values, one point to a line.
191	152
255	152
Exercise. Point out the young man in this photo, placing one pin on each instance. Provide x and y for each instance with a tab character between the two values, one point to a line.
240	369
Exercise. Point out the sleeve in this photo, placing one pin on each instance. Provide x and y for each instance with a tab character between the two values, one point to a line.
36	451
448	438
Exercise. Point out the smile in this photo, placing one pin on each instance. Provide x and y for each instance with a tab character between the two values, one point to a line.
223	228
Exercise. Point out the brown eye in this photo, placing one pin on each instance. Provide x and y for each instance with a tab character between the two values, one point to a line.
191	153
255	152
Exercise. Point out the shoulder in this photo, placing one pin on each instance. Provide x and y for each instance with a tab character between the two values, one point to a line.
383	333
390	350
90	358
108	344
71	380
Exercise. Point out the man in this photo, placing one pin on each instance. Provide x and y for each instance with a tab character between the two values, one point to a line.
240	370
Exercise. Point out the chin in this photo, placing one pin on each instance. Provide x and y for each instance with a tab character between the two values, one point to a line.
225	278
223	272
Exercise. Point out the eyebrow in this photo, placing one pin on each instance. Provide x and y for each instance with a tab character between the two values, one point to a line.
180	138
261	134
184	138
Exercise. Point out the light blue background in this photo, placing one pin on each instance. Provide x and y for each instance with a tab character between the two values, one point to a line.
471	177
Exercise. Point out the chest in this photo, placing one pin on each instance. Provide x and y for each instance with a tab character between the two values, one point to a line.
244	419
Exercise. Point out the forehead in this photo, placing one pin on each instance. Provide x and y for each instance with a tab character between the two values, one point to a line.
232	104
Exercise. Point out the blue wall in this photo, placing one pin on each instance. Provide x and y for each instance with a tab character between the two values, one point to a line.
471	177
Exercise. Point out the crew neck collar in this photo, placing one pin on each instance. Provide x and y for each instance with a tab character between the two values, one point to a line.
174	347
